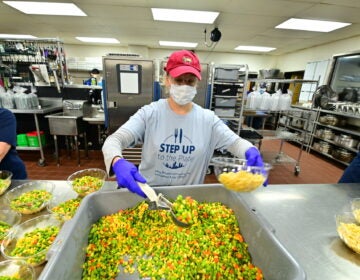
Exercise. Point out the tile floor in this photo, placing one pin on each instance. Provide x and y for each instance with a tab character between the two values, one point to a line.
314	168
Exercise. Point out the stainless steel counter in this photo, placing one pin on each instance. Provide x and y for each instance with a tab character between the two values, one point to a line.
302	217
48	105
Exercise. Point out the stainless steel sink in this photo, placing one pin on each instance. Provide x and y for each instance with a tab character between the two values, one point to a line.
93	114
68	122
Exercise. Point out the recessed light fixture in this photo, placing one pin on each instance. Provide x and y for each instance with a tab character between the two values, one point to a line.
184	15
17	36
254	48
46	8
311	25
98	40
178	44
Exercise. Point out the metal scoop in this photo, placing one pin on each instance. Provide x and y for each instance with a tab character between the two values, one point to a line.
159	202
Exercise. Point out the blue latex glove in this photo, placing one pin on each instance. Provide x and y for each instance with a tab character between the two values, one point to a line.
253	158
126	176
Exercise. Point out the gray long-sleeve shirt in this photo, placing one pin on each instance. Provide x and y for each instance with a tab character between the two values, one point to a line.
176	149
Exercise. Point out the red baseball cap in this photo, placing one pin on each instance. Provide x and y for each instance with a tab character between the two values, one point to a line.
181	62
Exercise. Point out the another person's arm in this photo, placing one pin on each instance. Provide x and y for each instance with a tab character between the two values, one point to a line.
4	149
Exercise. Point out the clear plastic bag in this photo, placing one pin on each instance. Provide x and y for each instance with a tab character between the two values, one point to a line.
7	99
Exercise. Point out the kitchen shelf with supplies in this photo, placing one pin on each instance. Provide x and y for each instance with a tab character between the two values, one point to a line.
336	134
40	61
293	124
228	83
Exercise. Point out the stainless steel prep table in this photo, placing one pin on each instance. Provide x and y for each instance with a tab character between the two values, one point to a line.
35	112
302	217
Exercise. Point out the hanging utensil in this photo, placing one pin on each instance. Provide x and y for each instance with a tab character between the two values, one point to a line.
159	202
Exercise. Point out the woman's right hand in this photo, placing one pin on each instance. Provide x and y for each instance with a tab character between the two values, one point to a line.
127	176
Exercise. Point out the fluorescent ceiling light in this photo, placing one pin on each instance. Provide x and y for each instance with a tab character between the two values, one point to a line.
184	15
311	25
254	48
17	36
46	8
178	44
98	40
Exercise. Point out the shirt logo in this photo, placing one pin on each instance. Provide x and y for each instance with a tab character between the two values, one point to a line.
176	150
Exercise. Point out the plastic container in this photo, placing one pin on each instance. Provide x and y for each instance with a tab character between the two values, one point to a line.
355	208
10	242
5	180
266	251
226	90
225	102
348	230
21	140
17	270
226	74
225	112
87	181
31	206
68	199
8	219
33	140
236	175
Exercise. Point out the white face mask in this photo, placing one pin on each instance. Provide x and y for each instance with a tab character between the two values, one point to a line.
182	94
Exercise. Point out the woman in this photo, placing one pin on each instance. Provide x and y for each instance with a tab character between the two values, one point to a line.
9	158
178	136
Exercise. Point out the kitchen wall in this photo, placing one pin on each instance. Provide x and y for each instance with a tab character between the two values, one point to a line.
286	63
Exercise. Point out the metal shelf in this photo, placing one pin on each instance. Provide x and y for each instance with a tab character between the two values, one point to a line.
329	156
350	131
336	144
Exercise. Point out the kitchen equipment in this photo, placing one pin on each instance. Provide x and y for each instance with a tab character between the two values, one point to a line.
325	98
159	202
267	252
129	85
347	141
269	73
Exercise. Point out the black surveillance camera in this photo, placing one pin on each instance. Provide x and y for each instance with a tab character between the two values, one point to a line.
215	35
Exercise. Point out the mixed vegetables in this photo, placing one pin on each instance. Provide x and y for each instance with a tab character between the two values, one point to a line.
34	244
4	184
149	243
9	278
67	208
4	229
30	202
87	184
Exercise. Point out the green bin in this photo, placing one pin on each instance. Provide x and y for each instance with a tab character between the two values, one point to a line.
32	138
21	140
